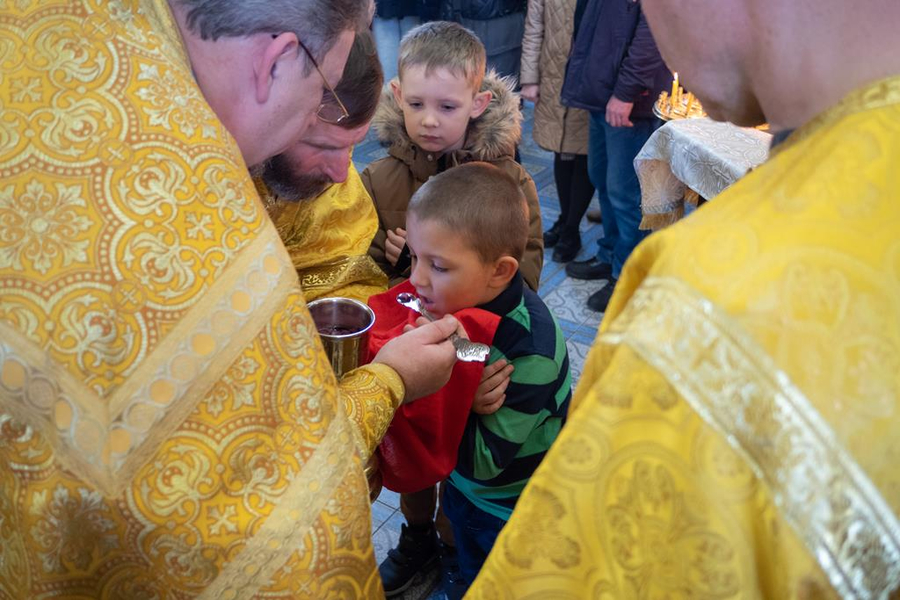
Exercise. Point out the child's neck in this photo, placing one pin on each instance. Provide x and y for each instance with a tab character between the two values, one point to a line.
457	146
494	295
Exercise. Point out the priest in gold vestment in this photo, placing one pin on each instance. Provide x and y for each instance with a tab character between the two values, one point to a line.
735	431
170	426
316	198
328	238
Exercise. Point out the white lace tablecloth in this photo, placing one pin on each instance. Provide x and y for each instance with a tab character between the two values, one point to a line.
691	157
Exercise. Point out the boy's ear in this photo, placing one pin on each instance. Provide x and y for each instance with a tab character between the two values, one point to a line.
504	270
269	64
480	104
398	95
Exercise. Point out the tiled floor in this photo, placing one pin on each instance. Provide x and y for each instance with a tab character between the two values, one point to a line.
565	296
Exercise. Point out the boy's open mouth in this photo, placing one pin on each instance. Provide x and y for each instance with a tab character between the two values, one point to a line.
426	302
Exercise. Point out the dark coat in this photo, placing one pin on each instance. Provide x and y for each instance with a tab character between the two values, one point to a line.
480	10
615	54
499	24
426	10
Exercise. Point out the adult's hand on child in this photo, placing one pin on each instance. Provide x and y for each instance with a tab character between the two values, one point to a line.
422	356
531	92
491	392
393	245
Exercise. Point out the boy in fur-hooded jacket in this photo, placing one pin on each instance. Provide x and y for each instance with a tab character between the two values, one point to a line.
442	111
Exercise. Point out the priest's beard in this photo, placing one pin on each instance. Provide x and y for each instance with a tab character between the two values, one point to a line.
282	178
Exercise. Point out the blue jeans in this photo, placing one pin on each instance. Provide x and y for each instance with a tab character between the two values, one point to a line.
388	33
474	530
611	152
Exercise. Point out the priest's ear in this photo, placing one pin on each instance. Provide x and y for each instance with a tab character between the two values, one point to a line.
279	53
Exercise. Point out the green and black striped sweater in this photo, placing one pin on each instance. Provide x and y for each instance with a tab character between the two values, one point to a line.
499	452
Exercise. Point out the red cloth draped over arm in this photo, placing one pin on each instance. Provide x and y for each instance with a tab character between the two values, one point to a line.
420	446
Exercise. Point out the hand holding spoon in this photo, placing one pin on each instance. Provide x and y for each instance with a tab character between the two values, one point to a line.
466	350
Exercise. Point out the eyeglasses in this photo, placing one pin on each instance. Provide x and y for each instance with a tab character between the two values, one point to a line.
330	112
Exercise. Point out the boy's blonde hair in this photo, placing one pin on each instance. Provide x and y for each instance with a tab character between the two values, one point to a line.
479	202
442	44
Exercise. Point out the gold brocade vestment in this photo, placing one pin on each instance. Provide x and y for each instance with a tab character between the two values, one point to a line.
735	431
169	424
328	238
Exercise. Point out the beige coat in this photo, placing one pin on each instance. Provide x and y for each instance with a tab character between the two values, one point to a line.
545	50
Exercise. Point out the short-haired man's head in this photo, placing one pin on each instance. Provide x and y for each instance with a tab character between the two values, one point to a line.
361	82
442	44
480	202
317	23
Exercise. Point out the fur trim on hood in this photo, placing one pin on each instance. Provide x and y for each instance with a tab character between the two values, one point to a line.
491	136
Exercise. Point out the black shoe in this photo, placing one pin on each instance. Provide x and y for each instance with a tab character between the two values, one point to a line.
417	552
594	215
600	300
567	248
451	578
551	236
589	269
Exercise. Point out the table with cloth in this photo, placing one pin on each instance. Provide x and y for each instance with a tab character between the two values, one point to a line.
688	159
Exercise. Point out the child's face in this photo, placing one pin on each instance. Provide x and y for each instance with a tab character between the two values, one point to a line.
437	107
447	274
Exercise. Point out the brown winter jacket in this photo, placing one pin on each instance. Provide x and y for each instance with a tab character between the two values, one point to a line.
545	50
492	137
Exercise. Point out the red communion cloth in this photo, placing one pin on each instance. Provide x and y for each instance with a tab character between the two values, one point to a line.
420	446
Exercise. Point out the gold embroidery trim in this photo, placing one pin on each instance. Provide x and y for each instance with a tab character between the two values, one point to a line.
284	530
362	392
246	280
97	438
737	389
350	269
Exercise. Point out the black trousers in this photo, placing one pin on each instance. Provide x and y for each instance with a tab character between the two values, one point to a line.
574	187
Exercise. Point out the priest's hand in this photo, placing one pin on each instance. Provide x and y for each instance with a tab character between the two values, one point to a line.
423	356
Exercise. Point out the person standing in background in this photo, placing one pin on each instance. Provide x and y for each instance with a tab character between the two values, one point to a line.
557	128
499	24
616	72
393	18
